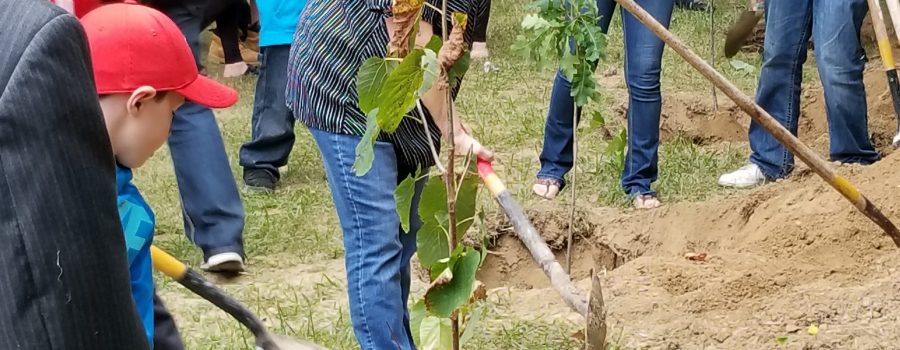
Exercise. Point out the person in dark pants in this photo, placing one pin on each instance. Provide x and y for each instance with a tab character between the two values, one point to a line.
272	124
64	281
479	37
693	5
213	212
165	331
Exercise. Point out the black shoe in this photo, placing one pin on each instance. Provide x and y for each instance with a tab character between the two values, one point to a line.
259	180
693	5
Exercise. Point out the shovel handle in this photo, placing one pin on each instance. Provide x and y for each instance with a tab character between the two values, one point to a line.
193	281
763	118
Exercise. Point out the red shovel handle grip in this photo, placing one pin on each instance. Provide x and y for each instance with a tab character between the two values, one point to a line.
491	181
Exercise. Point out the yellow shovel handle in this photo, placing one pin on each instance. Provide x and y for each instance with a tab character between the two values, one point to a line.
167	264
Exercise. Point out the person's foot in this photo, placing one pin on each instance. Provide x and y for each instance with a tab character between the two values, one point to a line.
747	176
546	188
693	5
229	262
479	50
646	201
259	180
237	69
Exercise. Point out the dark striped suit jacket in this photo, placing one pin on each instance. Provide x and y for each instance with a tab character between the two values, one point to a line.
63	272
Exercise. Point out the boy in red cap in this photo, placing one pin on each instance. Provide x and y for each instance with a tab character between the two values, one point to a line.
144	71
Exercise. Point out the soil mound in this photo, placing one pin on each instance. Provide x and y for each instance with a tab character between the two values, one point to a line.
779	259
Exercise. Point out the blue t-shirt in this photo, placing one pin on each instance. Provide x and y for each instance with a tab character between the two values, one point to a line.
278	20
137	223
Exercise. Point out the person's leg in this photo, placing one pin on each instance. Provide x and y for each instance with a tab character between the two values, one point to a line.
479	37
376	252
213	212
272	124
643	63
165	332
840	59
788	26
556	155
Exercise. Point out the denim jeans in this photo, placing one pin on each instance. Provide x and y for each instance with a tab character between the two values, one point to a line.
835	28
213	212
643	61
272	124
376	250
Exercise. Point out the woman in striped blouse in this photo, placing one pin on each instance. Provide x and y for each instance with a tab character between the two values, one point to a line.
333	39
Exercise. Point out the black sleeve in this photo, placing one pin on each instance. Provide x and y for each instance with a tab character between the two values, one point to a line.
64	281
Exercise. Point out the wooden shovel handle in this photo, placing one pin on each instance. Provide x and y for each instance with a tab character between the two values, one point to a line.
802	151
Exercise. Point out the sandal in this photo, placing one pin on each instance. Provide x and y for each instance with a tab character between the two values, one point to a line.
546	188
646	201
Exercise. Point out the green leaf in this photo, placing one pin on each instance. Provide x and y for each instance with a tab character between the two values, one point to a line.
443	299
459	69
415	32
472	325
416	316
403	195
742	66
365	149
597	120
533	22
467	193
583	86
436	333
399	94
445	266
782	340
430	70
435	44
370	81
432	242
567	65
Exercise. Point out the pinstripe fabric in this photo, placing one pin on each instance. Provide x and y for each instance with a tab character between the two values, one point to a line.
63	274
333	38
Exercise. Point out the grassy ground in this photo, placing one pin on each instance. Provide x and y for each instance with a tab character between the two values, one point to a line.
295	277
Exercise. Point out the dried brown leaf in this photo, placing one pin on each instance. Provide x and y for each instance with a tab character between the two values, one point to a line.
695	257
405	20
479	292
454	47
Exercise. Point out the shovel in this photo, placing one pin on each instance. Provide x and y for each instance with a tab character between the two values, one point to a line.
592	307
742	28
168	265
758	114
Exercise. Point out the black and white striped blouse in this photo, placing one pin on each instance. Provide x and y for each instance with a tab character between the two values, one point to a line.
333	38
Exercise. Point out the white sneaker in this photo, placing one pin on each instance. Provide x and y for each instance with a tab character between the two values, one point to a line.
747	176
224	262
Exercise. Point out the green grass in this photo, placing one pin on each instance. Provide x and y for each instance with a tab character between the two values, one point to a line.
295	279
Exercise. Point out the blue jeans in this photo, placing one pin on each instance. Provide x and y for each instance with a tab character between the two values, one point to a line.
643	61
835	27
213	212
376	250
272	124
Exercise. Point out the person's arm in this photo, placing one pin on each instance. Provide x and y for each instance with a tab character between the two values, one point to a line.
435	100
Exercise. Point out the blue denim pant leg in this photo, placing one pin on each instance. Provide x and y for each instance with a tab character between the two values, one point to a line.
376	250
272	124
841	61
642	76
643	65
213	212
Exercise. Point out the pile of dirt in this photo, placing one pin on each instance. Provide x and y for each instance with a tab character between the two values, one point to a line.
779	259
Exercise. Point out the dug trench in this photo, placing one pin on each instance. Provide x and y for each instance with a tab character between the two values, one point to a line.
787	265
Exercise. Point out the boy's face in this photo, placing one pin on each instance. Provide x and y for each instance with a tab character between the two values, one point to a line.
146	125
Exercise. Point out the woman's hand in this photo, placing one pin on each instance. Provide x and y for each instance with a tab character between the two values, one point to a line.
464	143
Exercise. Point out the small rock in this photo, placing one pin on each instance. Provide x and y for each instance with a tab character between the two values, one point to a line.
722	335
610	72
792	328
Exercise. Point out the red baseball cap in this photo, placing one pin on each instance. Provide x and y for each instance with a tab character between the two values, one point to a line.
133	45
